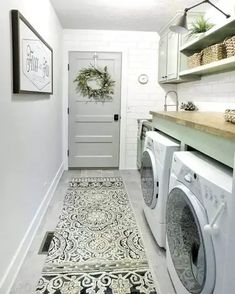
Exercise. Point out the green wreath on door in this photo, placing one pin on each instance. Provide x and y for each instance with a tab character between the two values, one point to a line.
95	83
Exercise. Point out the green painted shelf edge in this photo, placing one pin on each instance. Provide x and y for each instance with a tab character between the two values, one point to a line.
216	147
222	65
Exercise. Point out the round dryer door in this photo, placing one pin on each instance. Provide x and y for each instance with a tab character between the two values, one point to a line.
149	179
191	248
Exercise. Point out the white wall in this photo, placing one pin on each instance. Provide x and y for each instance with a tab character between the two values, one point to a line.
139	55
31	140
213	92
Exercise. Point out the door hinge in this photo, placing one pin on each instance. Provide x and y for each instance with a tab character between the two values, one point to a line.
68	152
68	66
68	110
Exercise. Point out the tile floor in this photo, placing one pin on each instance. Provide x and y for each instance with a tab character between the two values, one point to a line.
30	271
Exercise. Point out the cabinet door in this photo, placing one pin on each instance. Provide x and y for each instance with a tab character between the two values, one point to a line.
162	60
172	55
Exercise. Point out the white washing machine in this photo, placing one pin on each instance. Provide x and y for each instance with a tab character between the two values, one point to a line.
196	223
155	171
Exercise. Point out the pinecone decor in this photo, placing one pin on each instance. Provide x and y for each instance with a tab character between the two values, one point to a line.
188	106
229	115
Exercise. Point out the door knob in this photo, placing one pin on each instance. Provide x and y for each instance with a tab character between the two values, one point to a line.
116	116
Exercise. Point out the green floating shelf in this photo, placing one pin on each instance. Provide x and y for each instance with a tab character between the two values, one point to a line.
222	65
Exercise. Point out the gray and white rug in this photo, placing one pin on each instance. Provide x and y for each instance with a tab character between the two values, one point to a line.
96	247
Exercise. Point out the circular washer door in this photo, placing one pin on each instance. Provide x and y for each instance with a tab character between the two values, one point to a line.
149	179
191	248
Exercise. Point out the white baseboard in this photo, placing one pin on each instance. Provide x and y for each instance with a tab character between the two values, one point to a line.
11	273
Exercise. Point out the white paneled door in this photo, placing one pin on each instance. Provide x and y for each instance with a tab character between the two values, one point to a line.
94	126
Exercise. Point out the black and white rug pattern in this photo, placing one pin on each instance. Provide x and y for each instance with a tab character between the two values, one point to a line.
96	247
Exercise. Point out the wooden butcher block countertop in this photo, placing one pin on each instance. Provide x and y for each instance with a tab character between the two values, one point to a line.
209	122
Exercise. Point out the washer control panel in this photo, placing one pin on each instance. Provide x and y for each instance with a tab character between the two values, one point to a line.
213	197
190	180
206	191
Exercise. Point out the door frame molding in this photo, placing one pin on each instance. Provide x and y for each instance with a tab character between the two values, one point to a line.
123	93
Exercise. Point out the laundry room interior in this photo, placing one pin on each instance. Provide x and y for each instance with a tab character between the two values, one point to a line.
119	122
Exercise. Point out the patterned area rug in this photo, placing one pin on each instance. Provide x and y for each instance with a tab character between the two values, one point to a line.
96	247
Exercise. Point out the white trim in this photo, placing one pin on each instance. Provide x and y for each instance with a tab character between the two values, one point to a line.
18	259
65	106
124	76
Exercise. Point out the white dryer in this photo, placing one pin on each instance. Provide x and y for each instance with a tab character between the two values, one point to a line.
196	223
155	171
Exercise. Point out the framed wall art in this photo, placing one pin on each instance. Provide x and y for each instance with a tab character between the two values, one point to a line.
32	58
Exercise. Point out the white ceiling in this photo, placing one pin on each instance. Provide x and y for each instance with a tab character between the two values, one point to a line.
132	15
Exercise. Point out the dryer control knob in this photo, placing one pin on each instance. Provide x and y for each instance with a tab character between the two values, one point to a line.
149	143
188	178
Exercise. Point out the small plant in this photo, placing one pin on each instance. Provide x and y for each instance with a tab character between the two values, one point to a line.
201	25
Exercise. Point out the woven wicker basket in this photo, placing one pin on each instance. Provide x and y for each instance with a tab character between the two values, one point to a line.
230	46
213	53
229	115
194	60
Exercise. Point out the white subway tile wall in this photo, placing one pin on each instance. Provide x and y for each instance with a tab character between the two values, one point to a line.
139	55
212	93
